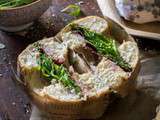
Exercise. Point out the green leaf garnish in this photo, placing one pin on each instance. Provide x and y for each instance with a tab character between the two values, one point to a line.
104	45
73	10
49	70
13	3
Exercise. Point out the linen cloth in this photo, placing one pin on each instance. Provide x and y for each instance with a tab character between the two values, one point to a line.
139	11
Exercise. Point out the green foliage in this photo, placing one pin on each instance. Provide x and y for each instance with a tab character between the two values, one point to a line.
13	3
73	10
50	70
104	45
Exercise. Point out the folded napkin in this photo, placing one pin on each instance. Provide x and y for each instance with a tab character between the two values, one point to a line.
139	11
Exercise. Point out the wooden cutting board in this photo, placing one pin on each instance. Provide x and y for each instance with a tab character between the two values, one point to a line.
15	105
148	30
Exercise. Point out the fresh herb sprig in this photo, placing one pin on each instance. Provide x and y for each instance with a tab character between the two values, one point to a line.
13	3
104	45
49	70
73	10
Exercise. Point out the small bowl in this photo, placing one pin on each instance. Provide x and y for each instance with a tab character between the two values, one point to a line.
19	18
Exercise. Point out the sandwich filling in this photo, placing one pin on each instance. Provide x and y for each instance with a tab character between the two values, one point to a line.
78	66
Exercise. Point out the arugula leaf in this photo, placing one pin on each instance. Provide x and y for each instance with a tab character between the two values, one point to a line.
13	3
73	10
3	1
104	45
49	70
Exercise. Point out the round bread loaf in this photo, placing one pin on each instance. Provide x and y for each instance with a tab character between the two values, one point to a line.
96	75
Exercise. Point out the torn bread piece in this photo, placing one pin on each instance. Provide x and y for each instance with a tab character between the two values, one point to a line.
53	71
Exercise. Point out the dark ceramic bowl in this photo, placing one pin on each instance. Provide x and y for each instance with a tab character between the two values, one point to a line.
19	18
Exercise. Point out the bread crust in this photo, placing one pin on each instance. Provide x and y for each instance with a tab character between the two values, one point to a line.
91	108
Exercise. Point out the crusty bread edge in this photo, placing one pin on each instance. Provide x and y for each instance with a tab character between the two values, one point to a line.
43	102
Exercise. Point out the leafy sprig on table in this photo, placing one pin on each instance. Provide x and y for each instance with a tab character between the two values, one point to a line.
104	45
73	10
49	70
13	3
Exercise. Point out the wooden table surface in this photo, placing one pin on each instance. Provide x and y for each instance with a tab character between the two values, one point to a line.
14	104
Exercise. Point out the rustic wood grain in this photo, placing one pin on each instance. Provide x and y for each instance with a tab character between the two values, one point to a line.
14	104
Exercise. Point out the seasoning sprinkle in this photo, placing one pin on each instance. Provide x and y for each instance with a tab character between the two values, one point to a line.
2	46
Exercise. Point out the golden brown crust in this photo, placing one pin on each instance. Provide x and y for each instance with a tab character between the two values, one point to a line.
67	28
93	107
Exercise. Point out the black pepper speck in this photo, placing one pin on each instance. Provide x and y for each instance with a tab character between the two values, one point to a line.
140	8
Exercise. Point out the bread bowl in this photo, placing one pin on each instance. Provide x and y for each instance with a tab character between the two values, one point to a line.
91	75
